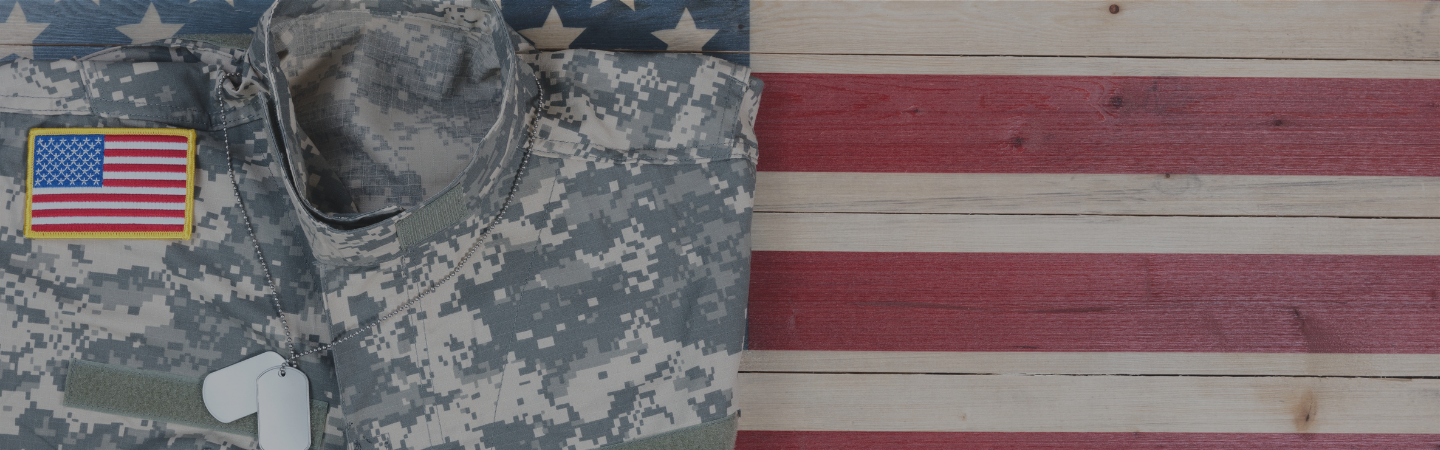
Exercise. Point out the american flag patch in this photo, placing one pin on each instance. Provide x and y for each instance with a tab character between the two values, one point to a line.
112	183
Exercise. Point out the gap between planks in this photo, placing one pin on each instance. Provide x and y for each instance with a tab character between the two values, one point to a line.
1016	403
1088	66
1095	363
1099	194
1093	234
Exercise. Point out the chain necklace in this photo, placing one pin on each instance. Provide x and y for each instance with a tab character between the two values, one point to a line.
485	232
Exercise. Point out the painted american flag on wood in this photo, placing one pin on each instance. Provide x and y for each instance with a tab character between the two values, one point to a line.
1072	225
1052	224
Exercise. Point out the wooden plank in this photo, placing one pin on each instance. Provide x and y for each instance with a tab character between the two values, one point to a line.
840	440
827	232
1130	125
1091	67
998	302
1094	363
1019	403
1123	194
1193	29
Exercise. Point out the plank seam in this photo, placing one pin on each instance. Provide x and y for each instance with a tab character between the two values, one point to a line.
1039	374
1296	216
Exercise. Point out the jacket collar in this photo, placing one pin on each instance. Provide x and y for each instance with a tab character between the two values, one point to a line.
343	237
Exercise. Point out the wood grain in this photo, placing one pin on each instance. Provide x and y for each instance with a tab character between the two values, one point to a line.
1038	302
1094	363
836	232
1193	29
1090	66
838	440
1019	403
1101	125
1123	194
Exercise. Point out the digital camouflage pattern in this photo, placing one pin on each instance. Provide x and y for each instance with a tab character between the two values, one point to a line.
372	141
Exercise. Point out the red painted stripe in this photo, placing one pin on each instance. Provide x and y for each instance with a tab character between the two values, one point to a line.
106	227
144	168
1035	124
107	213
144	183
1094	302
146	198
145	138
815	440
150	153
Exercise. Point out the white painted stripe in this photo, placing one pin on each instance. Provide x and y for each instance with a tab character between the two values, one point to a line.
177	206
828	232
110	190
111	175
1094	404
107	220
1205	29
116	145
144	160
1111	194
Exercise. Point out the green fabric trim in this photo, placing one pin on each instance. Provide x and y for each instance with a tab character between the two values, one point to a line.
223	40
713	435
431	218
162	397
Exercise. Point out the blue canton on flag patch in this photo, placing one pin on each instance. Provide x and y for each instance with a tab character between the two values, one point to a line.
69	160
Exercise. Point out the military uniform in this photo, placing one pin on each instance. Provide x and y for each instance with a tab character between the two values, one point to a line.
371	146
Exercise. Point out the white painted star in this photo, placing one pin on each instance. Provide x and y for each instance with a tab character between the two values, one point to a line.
629	3
685	37
553	34
17	29
150	28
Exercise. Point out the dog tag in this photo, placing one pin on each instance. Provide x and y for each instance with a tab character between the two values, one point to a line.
283	416
229	393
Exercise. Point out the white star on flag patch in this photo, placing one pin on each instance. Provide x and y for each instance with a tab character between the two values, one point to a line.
110	183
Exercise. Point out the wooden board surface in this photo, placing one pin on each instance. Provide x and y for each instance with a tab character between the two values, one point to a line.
1069	302
1114	404
1098	194
821	232
1102	125
1361	30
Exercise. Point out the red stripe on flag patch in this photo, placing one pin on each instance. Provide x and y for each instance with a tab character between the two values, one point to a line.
74	228
145	183
853	440
1070	302
139	198
107	213
113	152
146	138
171	168
1038	124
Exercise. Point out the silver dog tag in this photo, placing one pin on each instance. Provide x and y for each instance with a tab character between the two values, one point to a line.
283	401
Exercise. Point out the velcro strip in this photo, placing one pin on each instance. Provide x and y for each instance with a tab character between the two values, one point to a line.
162	397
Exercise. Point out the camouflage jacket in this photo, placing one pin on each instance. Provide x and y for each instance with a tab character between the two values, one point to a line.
372	144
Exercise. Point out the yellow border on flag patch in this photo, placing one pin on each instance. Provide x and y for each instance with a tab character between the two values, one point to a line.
189	184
